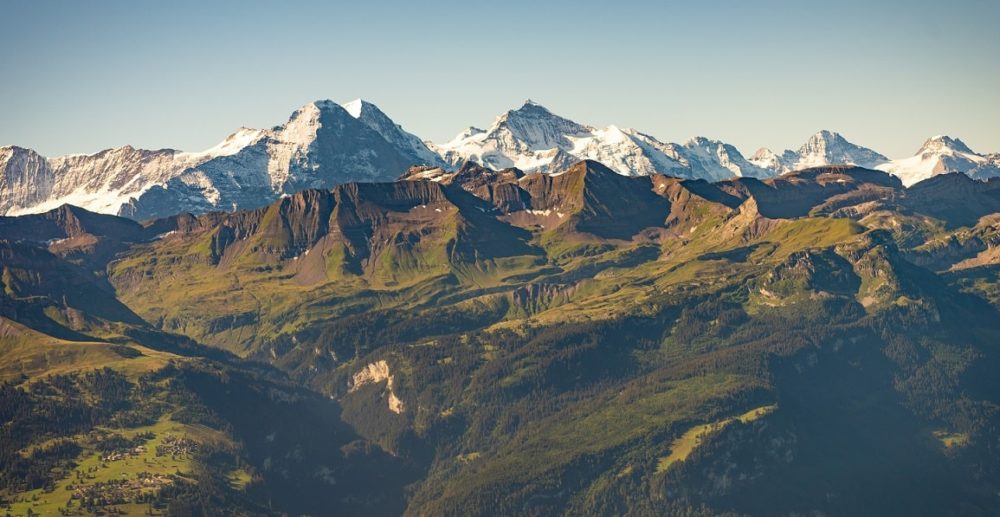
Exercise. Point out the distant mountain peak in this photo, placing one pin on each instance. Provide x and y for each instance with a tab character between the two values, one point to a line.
763	153
826	134
319	145
531	107
324	104
940	143
822	140
535	139
534	127
17	149
699	140
940	155
304	122
312	111
823	148
530	110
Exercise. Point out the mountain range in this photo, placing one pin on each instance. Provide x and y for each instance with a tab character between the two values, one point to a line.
325	144
472	341
333	316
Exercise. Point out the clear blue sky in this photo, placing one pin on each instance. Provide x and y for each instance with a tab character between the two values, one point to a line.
82	76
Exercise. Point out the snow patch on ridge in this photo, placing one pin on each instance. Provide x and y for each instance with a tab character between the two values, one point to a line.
353	107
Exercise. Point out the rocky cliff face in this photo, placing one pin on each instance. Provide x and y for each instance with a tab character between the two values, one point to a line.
25	178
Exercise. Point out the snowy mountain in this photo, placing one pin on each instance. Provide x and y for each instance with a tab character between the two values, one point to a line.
321	145
528	138
100	182
940	155
715	160
534	139
823	148
324	144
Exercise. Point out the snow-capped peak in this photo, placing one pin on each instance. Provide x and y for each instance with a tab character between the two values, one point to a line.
532	138
946	144
820	140
822	148
302	126
827	145
537	128
321	144
719	159
312	110
939	155
766	159
700	141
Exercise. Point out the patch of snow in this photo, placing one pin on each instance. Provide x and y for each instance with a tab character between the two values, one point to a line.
353	107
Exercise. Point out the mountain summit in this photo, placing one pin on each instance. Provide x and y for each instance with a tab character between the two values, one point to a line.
322	144
940	155
534	139
823	148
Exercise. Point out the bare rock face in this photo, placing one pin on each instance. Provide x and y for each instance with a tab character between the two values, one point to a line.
26	178
375	373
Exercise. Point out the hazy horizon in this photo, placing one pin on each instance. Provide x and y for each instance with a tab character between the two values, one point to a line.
184	75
